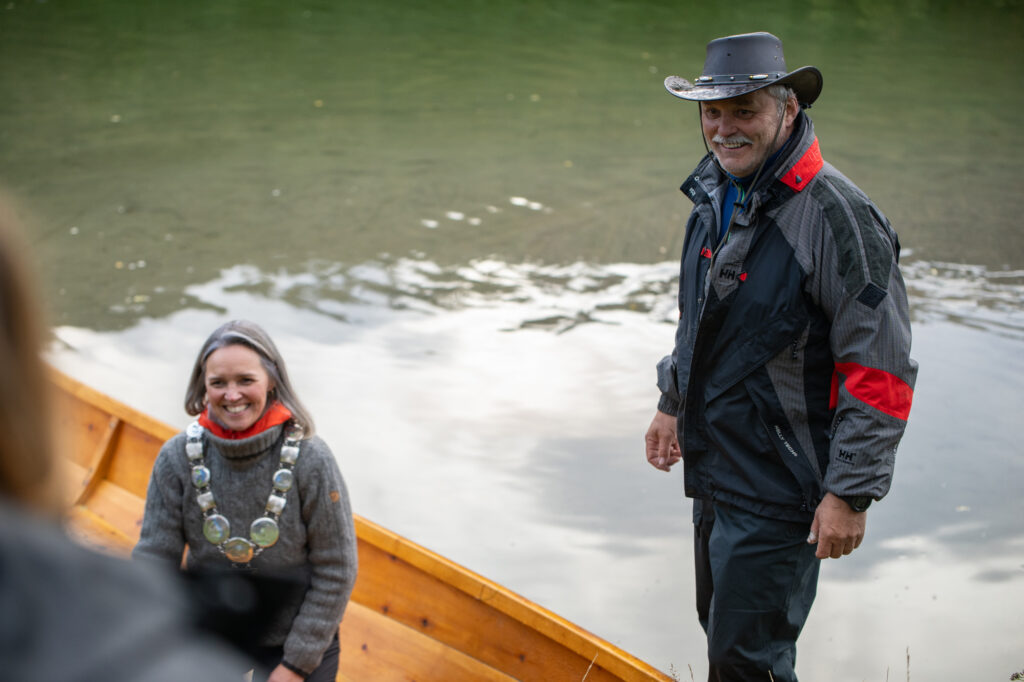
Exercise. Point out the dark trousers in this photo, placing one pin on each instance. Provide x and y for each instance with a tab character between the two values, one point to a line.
756	581
269	657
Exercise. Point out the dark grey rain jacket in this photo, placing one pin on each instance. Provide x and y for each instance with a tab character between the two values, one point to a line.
791	375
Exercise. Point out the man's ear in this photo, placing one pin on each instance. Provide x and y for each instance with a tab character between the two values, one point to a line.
792	109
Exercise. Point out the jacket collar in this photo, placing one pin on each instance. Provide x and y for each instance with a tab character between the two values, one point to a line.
794	169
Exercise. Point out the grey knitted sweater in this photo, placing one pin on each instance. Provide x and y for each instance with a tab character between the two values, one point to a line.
317	532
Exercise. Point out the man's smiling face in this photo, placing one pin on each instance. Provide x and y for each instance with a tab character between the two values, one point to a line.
741	131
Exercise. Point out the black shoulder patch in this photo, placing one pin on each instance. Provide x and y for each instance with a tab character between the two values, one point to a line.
865	258
872	295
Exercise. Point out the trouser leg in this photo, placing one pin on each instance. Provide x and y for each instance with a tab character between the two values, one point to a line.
703	522
268	658
757	580
328	668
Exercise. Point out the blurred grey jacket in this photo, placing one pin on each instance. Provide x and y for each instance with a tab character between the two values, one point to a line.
70	614
791	374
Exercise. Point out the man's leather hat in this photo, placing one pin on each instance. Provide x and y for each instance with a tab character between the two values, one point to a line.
736	65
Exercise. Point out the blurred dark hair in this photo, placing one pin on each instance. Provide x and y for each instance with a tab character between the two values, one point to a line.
252	336
26	454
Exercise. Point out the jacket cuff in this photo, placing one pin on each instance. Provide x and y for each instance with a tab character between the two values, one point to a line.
668	405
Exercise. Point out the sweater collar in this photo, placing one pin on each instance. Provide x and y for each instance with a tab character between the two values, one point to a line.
274	415
245	447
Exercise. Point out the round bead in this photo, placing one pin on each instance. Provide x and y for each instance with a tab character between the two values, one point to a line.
200	476
238	550
194	430
264	531
294	432
194	449
283	479
216	528
289	453
275	504
205	500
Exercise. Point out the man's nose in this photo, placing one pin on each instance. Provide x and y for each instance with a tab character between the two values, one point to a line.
726	125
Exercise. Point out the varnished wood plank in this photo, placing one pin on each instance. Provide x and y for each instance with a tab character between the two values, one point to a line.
99	463
578	644
428	605
92	531
118	508
133	459
375	647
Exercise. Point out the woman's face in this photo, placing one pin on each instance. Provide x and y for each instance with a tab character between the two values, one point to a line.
236	387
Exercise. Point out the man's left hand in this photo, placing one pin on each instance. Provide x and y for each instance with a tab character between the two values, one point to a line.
837	529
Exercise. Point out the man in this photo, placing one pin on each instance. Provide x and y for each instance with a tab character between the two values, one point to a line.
791	382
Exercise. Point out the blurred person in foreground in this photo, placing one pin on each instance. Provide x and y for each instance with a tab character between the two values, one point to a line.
67	613
249	486
791	381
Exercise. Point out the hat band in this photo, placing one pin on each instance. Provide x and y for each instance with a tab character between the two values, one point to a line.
732	79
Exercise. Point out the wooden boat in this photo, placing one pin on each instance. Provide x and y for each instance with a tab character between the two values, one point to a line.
414	615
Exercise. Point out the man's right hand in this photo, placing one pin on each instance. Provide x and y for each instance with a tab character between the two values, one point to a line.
662	444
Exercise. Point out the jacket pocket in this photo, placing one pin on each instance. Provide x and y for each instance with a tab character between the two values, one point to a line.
782	437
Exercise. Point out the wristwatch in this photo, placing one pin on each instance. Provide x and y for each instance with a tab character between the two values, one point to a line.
858	503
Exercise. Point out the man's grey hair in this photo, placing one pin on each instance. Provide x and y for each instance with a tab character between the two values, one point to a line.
781	93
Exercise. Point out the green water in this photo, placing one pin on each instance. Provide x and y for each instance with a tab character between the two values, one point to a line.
181	139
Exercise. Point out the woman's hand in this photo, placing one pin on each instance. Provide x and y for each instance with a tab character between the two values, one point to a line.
283	674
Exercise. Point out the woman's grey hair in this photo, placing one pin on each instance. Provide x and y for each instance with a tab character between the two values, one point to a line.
252	336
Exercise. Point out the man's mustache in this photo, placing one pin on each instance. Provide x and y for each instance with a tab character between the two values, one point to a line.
734	139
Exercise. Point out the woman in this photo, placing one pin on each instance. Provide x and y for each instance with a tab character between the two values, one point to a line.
249	485
67	613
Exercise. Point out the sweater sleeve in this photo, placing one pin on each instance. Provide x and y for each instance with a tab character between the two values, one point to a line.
331	540
162	536
873	383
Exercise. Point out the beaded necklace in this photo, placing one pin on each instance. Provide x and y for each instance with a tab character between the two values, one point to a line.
264	531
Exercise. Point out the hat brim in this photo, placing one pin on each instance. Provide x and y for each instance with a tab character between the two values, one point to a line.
805	81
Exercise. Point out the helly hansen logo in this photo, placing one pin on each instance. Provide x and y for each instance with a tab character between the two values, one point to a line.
789	448
731	274
847	456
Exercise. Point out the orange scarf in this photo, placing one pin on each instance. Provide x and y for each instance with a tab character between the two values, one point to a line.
274	415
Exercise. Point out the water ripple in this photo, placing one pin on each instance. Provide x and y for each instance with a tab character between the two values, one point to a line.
559	298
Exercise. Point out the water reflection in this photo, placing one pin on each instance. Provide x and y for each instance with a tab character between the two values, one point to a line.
494	411
970	295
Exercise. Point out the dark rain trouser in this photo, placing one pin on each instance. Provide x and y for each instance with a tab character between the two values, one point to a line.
756	580
269	657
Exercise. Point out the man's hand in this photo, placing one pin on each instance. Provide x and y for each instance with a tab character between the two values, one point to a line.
837	529
662	445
